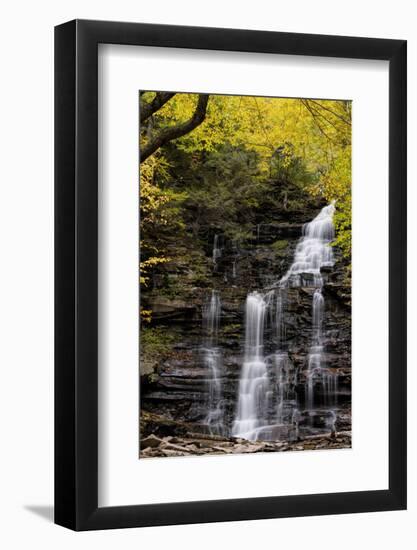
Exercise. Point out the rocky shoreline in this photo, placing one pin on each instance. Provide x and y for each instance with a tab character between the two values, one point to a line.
204	444
161	437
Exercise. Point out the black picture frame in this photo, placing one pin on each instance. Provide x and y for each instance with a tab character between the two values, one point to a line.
76	271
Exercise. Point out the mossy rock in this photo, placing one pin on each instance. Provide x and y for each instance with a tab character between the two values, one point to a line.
232	328
280	247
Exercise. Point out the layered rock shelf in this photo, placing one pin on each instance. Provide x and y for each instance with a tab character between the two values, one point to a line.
179	383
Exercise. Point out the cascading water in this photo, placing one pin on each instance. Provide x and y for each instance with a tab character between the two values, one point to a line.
267	399
213	362
253	385
258	231
315	356
318	310
317	373
217	250
279	319
312	252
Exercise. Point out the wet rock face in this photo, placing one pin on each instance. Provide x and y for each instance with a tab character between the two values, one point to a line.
179	386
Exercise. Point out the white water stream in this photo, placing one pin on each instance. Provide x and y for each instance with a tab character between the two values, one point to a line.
213	361
253	385
267	403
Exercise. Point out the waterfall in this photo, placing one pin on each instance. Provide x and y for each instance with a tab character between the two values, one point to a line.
279	319
253	385
285	380
258	231
317	373
267	397
312	252
234	269
318	310
213	361
217	250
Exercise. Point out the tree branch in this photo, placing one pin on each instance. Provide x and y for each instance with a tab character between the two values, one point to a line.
316	112
315	118
174	132
148	109
261	121
340	117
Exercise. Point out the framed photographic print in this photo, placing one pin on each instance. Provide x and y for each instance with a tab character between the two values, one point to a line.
230	275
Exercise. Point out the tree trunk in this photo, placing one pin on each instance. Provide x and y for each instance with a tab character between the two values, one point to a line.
148	109
174	132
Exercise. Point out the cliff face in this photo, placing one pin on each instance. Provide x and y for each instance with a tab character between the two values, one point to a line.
176	383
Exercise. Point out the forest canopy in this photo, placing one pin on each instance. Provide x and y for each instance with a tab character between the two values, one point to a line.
214	163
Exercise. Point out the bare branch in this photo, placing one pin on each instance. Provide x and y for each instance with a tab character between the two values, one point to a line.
261	121
316	112
315	118
343	119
